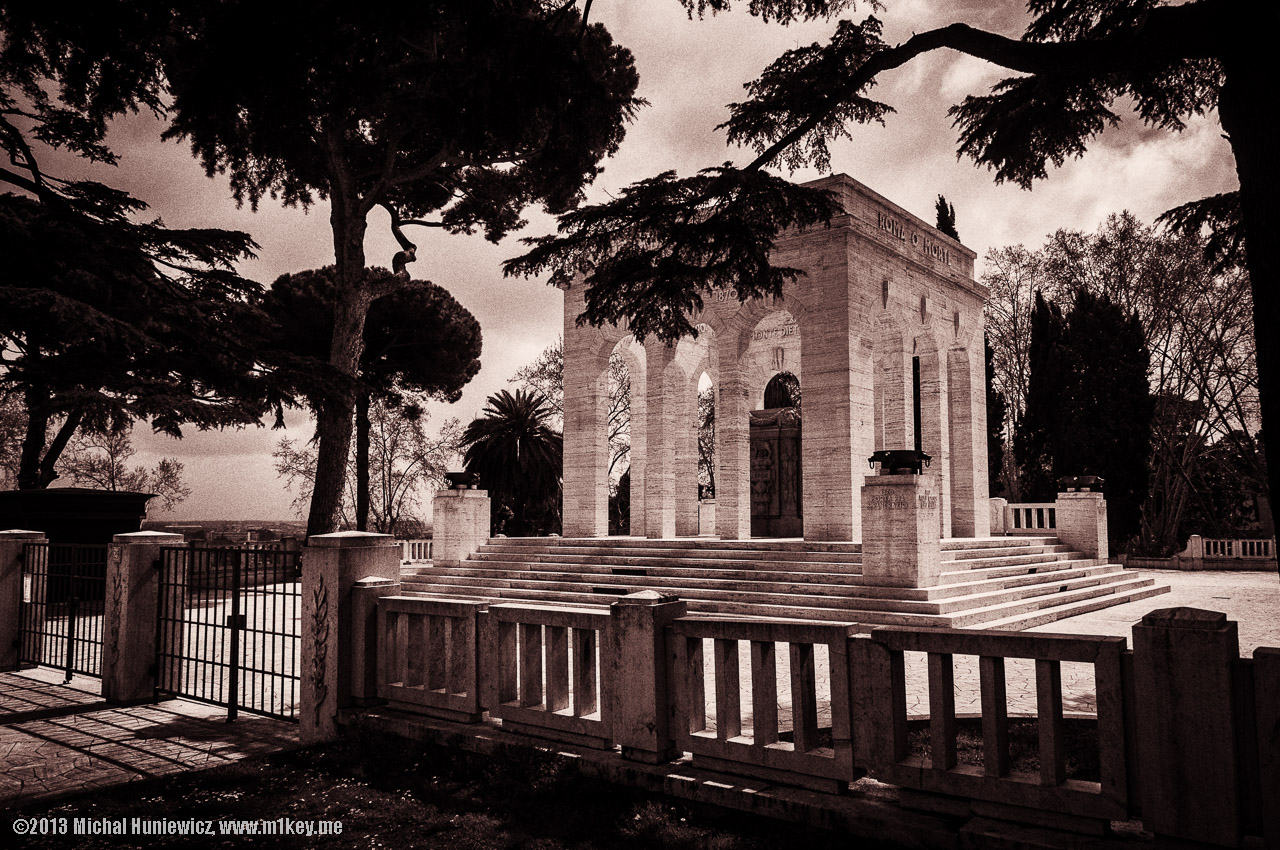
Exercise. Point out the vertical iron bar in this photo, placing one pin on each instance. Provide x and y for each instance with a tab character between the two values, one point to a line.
73	606
233	658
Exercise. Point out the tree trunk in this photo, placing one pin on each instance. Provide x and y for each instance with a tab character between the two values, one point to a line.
362	461
334	420
1244	107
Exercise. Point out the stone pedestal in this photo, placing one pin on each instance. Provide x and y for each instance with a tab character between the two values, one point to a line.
900	524
707	518
1082	522
460	525
332	564
1183	660
635	660
997	515
129	619
11	590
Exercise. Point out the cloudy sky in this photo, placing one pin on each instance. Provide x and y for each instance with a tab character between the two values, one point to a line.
689	70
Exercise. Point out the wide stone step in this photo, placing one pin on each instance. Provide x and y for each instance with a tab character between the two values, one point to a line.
779	593
638	556
652	565
1043	616
982	552
762	544
985	616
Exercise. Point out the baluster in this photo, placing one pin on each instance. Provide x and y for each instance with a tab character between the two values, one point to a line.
695	685
436	649
804	698
399	628
585	691
764	693
507	665
1053	767
995	716
461	654
942	711
557	668
728	690
530	664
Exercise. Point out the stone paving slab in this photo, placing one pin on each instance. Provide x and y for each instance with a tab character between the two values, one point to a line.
62	753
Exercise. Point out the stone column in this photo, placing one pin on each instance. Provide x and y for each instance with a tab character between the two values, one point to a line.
12	544
129	656
661	401
1183	660
733	443
460	525
365	594
635	663
900	546
586	441
1082	523
332	564
685	434
935	437
967	438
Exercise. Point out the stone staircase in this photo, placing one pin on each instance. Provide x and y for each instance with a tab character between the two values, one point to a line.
995	583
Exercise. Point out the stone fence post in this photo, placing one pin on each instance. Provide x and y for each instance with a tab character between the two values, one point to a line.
1183	671
636	664
997	515
12	544
1082	522
129	650
460	525
332	565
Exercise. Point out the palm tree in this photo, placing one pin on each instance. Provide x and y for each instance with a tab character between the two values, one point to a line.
518	456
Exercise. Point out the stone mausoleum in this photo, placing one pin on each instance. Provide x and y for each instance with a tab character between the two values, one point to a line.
888	311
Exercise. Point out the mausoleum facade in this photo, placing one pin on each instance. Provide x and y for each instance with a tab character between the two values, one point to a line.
885	297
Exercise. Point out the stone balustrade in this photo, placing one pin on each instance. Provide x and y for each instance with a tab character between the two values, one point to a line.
416	550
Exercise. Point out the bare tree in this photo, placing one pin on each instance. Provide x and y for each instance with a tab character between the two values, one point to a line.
403	462
101	460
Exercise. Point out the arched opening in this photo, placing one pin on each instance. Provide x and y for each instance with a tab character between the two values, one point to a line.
622	437
777	481
706	455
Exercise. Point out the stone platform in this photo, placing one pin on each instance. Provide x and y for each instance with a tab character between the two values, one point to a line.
992	583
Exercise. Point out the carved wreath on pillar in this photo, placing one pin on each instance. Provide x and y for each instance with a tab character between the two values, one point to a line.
320	640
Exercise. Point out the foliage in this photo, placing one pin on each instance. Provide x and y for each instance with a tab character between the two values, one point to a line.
101	461
454	116
405	460
946	218
98	332
1089	406
518	457
94	295
707	442
620	505
995	424
1197	316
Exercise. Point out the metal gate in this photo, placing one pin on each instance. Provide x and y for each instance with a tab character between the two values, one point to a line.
228	628
63	588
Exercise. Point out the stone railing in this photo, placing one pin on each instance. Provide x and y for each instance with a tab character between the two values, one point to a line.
1025	518
416	550
819	706
1215	553
808	759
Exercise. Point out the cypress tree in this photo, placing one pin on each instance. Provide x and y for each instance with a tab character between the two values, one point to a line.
946	214
996	411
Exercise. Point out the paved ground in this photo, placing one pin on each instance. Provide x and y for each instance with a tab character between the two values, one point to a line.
58	739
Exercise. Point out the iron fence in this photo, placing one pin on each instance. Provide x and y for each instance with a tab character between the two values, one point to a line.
63	591
227	628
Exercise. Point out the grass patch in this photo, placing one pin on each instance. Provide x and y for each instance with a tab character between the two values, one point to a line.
391	793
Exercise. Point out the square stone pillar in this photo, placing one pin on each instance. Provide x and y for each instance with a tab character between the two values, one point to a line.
332	564
129	655
635	663
733	445
900	545
1082	523
662	406
12	544
460	525
1183	672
